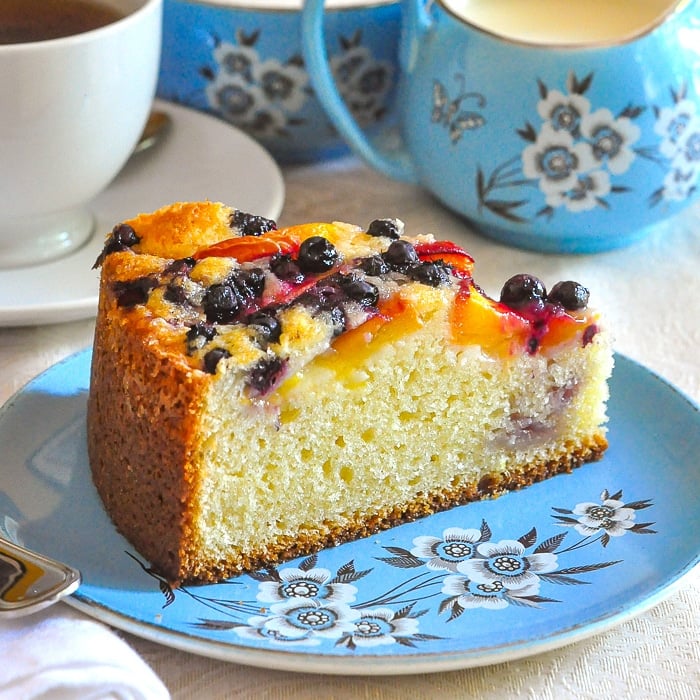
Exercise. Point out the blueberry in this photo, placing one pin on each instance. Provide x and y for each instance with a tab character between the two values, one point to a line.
134	292
433	274
265	374
175	294
213	357
199	335
183	266
251	225
328	296
285	268
375	266
323	295
358	289
400	254
391	228
122	237
233	295
522	290
221	303
590	333
317	254
266	324
250	282
571	295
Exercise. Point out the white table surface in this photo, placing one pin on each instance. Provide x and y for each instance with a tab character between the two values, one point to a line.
650	294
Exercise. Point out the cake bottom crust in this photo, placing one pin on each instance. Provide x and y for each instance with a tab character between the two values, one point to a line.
202	569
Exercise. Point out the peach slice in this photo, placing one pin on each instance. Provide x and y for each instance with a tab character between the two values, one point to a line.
450	253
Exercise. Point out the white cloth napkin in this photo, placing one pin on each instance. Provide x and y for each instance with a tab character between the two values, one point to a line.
58	654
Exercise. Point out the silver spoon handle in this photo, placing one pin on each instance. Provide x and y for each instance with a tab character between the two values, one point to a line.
31	581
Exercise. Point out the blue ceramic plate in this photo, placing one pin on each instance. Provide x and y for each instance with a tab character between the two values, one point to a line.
484	583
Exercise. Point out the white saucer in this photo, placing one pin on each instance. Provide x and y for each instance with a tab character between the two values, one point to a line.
200	158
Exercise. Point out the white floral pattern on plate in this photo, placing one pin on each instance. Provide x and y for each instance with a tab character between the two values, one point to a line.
311	605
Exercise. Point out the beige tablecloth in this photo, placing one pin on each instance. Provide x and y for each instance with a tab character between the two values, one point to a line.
651	296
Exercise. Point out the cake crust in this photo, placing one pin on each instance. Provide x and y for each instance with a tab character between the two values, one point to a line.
144	476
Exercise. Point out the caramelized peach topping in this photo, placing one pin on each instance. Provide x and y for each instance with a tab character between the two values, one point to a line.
273	269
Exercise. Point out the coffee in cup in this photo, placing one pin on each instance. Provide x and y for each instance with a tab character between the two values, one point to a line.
25	21
72	110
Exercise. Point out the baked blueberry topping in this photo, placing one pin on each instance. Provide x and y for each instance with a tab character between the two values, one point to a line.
433	274
199	335
343	293
317	254
571	295
359	289
183	266
251	225
266	324
523	290
134	292
175	294
400	255
590	333
221	303
375	266
328	296
122	237
391	228
324	295
213	357
249	282
265	375
285	268
224	302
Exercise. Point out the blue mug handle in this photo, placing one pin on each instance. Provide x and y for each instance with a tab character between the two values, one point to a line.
393	162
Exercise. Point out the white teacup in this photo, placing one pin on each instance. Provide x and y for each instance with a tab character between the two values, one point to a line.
72	110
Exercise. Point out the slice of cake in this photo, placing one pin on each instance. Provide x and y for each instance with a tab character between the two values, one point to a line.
259	394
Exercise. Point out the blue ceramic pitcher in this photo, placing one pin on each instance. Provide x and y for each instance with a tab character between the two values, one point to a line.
558	145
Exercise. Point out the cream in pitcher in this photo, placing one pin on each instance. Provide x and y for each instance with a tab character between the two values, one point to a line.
565	127
562	21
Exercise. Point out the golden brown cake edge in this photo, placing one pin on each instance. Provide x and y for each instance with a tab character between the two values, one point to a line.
148	497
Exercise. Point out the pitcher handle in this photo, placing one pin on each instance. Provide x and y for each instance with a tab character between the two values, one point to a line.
393	162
